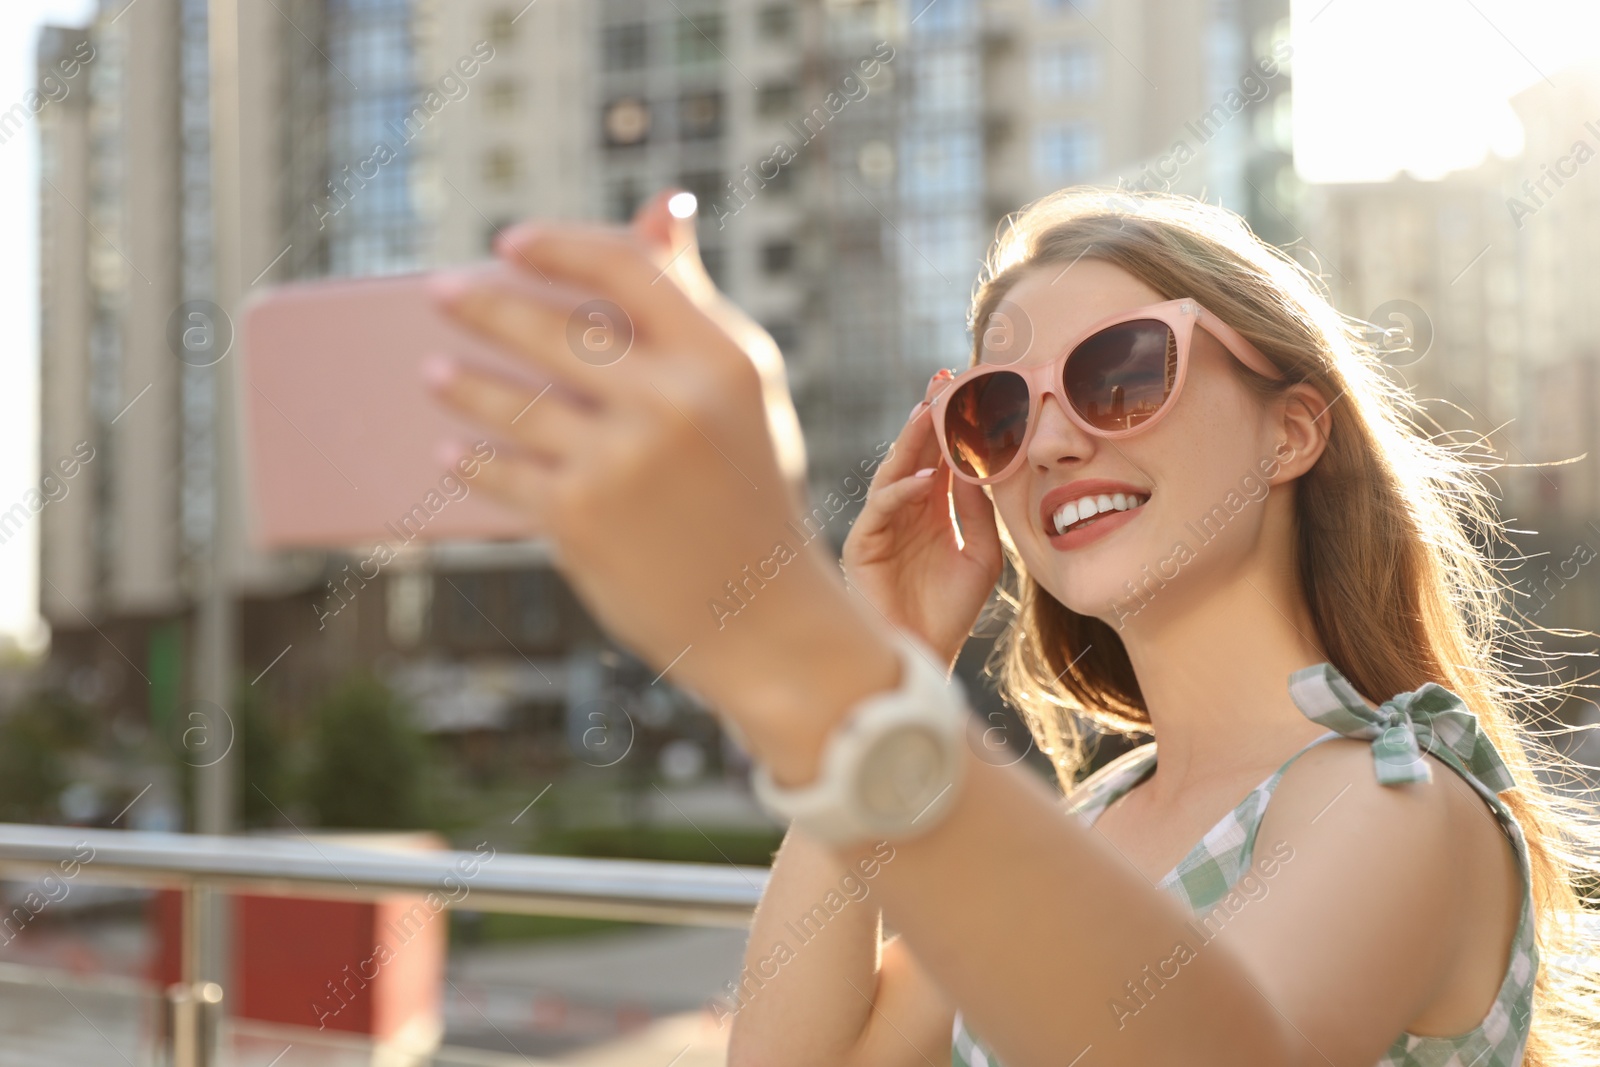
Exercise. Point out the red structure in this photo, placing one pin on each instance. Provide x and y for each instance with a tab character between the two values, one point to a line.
368	969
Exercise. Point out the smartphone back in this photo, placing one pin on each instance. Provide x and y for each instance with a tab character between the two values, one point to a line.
342	435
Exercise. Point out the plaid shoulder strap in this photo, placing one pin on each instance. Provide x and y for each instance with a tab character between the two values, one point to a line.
1429	719
1091	794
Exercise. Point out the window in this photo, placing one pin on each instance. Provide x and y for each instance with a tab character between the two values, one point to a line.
502	95
500	167
1069	7
699	115
713	259
941	167
470	608
775	101
1066	151
623	199
623	47
777	257
536	606
776	22
502	27
781	178
786	334
1066	71
625	121
706	185
372	45
947	79
699	38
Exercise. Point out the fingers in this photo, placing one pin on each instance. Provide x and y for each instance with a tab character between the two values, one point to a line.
653	221
917	446
614	264
574	344
544	422
518	481
666	223
888	499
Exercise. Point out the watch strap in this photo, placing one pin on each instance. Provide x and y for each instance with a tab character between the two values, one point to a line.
831	808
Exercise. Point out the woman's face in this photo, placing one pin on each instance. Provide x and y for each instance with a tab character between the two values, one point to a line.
1197	475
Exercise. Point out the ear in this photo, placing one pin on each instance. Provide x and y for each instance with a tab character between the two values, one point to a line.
1305	423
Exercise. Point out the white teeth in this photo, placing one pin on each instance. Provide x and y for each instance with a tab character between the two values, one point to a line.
1090	506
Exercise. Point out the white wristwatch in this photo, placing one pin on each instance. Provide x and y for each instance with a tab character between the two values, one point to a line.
893	765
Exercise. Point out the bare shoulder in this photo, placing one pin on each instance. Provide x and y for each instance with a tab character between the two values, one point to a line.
1385	908
1436	843
1336	782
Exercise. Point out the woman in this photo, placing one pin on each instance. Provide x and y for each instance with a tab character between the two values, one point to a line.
1225	533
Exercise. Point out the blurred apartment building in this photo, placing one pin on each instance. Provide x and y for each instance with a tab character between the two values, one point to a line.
1485	278
852	159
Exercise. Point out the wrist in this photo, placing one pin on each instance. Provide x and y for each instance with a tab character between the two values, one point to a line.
825	658
795	712
891	768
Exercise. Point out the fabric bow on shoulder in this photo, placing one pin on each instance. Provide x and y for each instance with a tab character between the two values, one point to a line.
1428	719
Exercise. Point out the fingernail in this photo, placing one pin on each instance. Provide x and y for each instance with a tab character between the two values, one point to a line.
509	242
448	287
916	409
925	472
943	374
438	371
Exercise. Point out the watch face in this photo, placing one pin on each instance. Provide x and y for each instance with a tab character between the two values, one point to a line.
903	773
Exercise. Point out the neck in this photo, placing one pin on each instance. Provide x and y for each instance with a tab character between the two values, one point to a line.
1213	667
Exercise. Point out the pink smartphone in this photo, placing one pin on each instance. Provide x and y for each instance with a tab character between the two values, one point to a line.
342	435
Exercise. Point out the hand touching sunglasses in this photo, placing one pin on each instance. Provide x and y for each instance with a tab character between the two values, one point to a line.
1117	378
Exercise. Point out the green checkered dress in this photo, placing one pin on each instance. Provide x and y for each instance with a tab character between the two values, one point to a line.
1430	719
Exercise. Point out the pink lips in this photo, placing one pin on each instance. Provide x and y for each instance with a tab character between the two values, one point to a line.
1055	498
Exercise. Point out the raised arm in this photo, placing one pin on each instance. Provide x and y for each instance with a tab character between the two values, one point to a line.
818	985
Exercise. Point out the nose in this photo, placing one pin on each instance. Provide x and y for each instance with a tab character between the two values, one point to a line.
1057	440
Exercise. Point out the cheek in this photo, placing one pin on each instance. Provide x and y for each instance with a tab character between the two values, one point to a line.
1011	505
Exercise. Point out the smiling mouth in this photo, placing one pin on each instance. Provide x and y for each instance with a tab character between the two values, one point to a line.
1088	510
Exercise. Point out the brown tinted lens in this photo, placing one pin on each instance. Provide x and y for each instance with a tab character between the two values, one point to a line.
1122	375
985	422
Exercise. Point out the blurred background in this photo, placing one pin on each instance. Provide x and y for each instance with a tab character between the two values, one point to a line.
166	159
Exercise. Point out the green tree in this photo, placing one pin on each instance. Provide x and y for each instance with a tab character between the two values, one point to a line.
32	774
34	738
368	761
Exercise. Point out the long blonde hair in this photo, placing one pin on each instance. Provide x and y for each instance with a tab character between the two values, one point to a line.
1389	527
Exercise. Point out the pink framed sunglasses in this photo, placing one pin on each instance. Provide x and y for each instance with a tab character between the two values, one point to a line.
1117	378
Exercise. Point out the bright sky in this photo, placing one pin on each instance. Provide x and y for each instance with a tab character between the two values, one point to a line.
19	307
1380	86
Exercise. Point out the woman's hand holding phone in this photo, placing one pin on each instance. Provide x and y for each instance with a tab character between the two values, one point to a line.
663	473
905	553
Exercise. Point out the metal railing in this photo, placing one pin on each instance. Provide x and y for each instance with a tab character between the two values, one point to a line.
203	866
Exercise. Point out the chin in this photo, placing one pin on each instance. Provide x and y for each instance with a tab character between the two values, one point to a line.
1086	586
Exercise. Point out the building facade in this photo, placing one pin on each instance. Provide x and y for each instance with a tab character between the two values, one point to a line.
1480	279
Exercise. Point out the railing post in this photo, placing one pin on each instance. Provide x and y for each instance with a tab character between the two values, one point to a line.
194	1005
